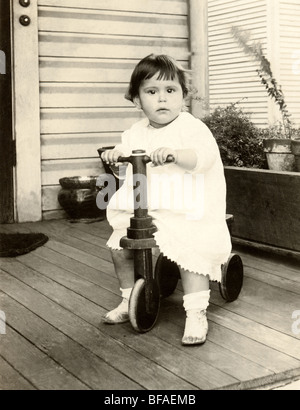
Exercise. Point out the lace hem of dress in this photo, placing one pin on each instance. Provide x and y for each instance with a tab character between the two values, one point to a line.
199	266
183	259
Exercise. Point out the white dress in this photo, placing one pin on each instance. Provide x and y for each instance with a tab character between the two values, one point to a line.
187	207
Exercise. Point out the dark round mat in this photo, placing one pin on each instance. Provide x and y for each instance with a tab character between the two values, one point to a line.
15	244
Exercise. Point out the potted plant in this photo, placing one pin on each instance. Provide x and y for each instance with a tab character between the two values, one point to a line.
264	203
238	139
278	138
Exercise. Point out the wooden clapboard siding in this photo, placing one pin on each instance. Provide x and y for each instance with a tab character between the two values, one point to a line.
290	55
232	74
63	146
146	6
87	51
52	170
108	46
72	120
79	70
107	22
82	95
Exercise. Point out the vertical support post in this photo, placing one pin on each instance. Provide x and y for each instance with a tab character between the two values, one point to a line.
27	113
198	20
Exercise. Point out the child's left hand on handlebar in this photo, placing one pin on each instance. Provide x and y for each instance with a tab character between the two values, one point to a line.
160	155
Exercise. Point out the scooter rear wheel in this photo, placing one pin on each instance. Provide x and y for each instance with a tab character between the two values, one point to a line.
166	274
141	320
232	278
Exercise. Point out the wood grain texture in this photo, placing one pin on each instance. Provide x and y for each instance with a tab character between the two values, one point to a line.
55	298
265	205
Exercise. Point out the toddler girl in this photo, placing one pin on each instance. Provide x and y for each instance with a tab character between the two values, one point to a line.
191	231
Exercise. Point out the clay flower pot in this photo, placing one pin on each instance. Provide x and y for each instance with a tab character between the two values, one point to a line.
279	154
78	198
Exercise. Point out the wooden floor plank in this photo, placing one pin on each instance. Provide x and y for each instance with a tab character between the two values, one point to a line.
81	256
255	307
65	234
76	307
72	297
275	280
74	230
261	372
199	372
61	296
214	354
273	319
67	285
10	379
232	340
77	360
14	228
256	331
147	346
72	247
99	229
145	372
281	266
37	367
265	295
210	354
95	288
97	276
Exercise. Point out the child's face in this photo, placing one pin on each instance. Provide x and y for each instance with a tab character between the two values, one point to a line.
161	100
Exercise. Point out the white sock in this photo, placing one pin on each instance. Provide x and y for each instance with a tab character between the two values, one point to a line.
196	326
126	293
198	300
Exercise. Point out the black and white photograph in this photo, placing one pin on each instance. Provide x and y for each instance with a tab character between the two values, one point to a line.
150	197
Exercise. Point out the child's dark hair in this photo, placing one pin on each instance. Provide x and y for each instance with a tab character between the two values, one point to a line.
166	66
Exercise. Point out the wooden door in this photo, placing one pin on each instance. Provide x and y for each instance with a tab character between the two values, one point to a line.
7	157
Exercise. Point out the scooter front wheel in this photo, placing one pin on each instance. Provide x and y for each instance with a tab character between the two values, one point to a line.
141	320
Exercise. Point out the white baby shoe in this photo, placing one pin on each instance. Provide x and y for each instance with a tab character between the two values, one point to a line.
196	328
118	315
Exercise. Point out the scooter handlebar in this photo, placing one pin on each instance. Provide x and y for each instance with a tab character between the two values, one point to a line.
146	159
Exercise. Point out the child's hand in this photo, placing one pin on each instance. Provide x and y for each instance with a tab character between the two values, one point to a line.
111	156
159	156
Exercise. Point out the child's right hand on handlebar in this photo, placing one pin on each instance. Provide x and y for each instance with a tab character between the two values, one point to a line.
111	156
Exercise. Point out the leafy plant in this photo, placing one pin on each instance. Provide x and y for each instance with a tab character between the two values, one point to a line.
239	140
276	131
274	90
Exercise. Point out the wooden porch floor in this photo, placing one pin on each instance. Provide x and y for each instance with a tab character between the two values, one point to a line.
54	298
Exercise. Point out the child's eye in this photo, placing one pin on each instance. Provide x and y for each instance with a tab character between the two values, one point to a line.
171	90
151	92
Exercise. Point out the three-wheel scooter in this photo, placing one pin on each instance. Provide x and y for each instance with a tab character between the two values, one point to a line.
160	281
